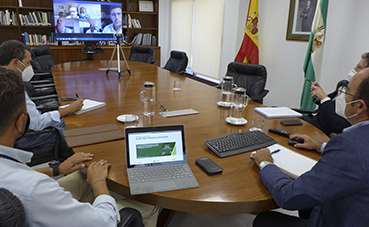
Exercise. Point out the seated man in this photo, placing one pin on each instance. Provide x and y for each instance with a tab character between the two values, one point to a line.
73	12
116	18
46	202
16	56
60	26
327	118
336	187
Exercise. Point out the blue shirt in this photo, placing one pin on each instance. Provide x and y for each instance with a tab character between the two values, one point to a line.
40	121
45	202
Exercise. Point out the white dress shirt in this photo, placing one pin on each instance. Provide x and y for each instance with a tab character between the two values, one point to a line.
45	202
110	29
40	121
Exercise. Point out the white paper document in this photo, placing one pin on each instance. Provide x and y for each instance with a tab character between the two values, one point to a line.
88	105
290	162
276	112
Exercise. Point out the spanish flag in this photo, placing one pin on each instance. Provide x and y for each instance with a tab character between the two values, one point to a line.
249	51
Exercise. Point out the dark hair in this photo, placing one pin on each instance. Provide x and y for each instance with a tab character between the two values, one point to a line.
363	92
113	7
365	57
12	99
12	49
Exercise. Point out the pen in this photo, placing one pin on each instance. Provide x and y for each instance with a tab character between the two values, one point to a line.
77	96
272	152
312	82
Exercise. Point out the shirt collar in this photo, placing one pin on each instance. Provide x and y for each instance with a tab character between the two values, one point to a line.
22	156
356	126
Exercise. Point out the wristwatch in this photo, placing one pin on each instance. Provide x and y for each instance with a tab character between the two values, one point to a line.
55	165
263	163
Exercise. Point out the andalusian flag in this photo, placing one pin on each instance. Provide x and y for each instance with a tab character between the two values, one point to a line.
249	51
314	53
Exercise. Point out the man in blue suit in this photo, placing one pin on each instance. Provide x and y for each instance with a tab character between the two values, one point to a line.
337	186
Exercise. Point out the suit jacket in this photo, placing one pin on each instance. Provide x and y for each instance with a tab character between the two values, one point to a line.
337	186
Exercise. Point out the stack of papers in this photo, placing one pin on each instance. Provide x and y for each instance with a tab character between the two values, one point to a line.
276	112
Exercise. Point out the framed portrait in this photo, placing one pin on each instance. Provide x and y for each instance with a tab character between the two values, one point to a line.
300	19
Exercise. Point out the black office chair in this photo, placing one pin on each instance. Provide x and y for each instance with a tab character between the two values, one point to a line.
143	54
177	62
11	210
130	217
249	76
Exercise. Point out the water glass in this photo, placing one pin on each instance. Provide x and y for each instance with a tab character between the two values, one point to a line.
257	124
177	85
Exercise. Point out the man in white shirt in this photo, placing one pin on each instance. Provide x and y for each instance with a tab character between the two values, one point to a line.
16	56
73	12
116	18
60	26
74	200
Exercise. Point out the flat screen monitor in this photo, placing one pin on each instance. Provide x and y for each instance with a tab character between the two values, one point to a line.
77	20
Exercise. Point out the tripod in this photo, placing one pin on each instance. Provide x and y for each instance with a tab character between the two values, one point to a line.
117	48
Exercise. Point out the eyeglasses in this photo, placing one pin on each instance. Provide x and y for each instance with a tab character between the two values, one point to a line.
342	90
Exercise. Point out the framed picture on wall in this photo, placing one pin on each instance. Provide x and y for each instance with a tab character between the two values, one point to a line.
300	19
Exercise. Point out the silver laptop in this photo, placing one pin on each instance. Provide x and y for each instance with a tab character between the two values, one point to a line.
156	159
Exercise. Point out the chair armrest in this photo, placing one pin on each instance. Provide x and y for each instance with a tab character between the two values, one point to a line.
130	217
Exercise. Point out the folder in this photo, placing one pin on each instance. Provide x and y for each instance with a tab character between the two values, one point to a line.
91	135
277	112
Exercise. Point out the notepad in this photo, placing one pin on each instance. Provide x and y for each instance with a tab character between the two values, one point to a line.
290	162
277	112
88	105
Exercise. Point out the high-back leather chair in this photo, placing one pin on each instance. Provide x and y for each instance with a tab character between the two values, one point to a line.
177	62
143	54
11	210
249	76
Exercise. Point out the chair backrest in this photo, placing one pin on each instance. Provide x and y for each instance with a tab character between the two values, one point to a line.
11	210
249	76
177	62
143	54
42	60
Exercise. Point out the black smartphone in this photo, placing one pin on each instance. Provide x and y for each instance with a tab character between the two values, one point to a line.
209	166
291	123
69	99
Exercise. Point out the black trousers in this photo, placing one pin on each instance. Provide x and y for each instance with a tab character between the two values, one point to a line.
276	219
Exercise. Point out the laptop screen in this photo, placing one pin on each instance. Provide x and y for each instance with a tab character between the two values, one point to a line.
159	145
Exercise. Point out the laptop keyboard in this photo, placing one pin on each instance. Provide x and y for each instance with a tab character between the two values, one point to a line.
163	172
239	143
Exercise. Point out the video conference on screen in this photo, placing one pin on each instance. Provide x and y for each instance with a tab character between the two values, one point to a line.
87	17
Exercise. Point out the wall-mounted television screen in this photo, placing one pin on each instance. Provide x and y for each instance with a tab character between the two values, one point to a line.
77	20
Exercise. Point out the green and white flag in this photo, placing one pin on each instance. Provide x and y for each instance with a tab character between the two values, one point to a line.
314	53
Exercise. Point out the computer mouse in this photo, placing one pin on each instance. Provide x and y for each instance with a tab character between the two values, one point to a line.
295	141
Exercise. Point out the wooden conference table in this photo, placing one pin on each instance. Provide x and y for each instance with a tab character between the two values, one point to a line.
237	190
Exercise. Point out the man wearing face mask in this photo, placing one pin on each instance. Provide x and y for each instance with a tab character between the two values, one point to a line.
16	56
337	186
327	118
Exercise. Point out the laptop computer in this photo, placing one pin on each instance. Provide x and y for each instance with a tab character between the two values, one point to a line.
156	159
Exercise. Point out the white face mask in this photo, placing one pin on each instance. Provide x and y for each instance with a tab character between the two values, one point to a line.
341	106
351	74
27	73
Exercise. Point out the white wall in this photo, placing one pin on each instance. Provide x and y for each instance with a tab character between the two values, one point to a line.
346	40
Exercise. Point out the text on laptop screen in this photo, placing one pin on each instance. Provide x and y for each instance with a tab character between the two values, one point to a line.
155	147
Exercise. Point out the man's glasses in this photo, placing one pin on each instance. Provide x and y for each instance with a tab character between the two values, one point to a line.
342	90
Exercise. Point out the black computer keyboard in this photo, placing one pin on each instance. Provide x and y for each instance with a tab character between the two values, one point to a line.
239	143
